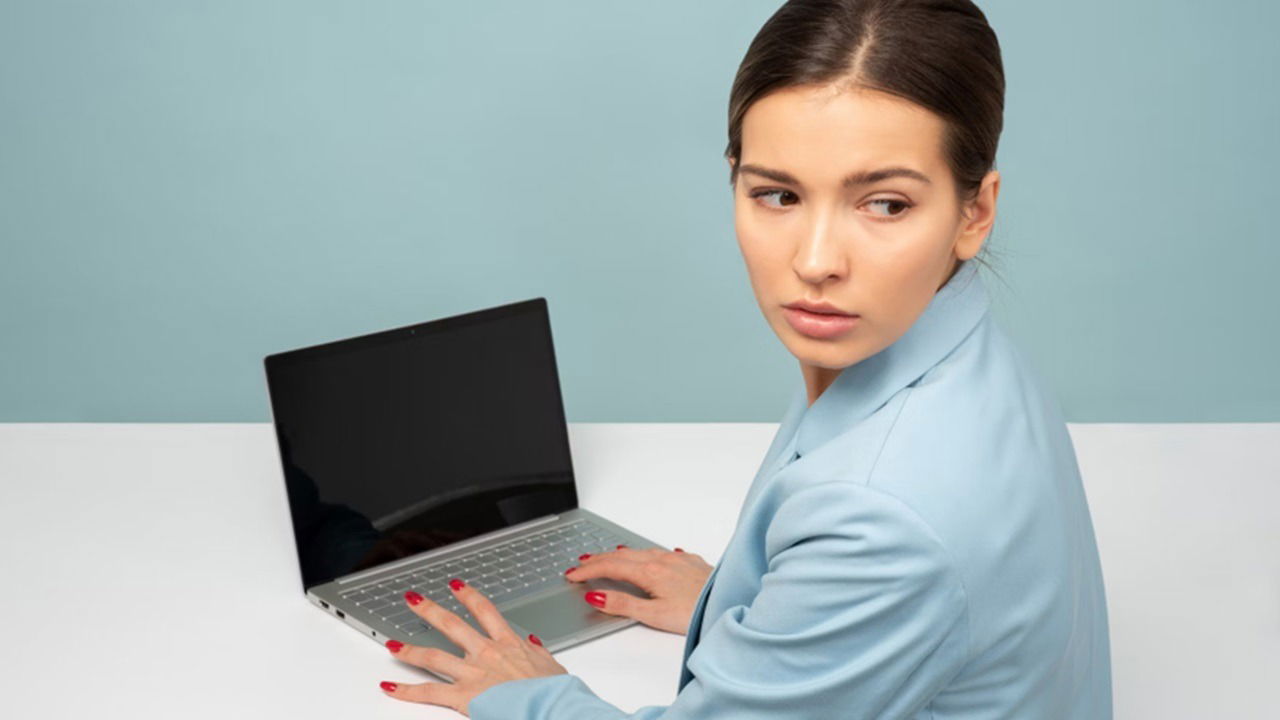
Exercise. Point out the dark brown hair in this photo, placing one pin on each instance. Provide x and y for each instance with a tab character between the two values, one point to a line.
939	54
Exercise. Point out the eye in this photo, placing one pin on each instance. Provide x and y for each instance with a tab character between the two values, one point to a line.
892	202
777	193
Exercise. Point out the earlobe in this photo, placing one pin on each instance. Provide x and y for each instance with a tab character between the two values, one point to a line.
969	246
972	239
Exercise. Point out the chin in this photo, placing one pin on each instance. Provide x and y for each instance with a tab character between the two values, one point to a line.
834	354
832	361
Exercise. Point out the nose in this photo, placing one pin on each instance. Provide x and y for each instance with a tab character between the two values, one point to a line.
820	255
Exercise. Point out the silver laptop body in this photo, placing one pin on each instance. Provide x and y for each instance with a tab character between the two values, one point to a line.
415	455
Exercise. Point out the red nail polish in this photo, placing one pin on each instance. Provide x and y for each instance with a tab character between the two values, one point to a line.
394	645
388	686
679	550
413	597
456	584
621	546
566	572
584	556
534	639
596	598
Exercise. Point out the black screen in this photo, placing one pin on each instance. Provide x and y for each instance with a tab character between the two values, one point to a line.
409	439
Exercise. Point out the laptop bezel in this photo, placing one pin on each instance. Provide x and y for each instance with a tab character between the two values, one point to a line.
279	359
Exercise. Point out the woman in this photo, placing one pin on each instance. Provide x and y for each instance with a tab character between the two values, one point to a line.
917	542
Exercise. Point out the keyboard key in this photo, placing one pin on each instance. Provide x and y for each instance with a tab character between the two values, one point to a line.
397	617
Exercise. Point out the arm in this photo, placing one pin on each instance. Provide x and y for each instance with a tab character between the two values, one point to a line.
861	610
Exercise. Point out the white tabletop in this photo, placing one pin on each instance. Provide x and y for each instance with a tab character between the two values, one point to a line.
150	571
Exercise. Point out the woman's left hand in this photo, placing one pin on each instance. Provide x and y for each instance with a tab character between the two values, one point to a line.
489	661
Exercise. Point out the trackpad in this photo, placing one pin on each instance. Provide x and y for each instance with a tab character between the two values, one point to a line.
563	613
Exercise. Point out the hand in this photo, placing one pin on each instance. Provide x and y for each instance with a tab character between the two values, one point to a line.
674	580
489	661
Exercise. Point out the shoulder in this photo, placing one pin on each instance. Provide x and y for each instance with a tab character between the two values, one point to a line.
973	444
978	407
976	439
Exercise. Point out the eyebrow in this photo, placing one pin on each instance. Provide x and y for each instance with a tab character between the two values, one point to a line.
864	177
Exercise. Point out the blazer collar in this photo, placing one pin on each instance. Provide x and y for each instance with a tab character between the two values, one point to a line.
861	389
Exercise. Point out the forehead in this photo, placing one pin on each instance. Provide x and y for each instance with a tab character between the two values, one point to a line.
823	131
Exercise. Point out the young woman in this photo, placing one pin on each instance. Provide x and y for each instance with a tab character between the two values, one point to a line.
917	542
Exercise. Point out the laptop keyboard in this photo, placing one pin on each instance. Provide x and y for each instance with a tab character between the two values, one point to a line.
503	572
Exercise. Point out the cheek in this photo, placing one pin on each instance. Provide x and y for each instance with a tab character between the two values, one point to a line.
901	285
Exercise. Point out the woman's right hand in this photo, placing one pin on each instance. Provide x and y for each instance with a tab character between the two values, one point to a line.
673	579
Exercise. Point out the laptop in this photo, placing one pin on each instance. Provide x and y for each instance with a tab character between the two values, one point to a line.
434	451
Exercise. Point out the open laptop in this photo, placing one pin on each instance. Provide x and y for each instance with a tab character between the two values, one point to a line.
433	451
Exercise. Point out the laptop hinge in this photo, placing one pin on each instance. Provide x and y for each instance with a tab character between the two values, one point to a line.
469	542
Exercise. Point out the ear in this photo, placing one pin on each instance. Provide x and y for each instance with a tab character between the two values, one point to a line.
982	214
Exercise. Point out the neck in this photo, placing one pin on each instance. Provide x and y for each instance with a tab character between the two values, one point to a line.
817	379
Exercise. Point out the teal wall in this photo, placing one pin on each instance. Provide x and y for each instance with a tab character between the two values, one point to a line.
188	186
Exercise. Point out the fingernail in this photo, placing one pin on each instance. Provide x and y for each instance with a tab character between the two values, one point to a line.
388	686
534	639
621	546
394	645
584	556
413	597
566	572
679	550
456	584
596	598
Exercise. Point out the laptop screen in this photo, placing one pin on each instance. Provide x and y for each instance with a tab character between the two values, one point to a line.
409	439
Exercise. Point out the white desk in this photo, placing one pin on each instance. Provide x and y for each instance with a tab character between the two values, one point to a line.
149	569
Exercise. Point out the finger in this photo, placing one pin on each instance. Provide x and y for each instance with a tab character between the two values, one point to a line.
610	566
630	551
625	554
623	551
484	611
536	643
433	693
459	631
614	602
429	658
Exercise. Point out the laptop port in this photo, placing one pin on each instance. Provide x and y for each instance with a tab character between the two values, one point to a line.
340	613
324	605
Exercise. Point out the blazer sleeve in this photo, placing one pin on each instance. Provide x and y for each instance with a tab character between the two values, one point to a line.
862	612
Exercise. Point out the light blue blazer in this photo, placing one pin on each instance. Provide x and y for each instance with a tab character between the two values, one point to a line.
916	544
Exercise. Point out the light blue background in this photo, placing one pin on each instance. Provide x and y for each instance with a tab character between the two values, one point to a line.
188	186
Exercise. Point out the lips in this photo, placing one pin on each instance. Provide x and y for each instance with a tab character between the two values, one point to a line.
819	325
818	308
